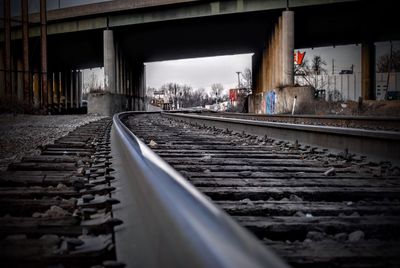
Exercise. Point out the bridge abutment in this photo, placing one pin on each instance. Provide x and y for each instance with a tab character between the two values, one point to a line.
273	67
124	82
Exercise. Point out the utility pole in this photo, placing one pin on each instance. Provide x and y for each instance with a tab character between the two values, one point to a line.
333	66
238	74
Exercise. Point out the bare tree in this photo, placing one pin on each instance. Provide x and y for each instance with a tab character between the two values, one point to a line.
389	62
247	80
217	89
312	73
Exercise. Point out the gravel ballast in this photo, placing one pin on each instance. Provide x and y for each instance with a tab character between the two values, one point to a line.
23	134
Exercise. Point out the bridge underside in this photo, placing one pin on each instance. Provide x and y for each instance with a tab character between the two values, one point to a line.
324	25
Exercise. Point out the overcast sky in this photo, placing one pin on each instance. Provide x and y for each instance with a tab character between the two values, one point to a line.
198	72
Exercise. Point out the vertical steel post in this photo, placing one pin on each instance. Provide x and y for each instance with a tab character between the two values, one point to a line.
25	53
43	53
7	50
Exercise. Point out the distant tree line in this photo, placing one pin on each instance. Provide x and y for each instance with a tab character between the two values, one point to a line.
187	97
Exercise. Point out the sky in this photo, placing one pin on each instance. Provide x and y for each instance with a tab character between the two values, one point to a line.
198	72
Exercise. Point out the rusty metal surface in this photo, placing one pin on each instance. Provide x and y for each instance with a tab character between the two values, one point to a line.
43	54
25	53
7	49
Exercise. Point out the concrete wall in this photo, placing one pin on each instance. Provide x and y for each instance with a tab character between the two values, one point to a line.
106	103
280	100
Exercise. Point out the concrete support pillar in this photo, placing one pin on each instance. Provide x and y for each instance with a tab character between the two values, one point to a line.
288	47
71	89
368	71
2	74
19	97
56	89
109	61
117	68
36	88
49	92
64	81
279	51
120	74
123	77
62	86
76	89
79	98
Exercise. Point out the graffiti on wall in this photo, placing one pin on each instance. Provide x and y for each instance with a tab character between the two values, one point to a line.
270	101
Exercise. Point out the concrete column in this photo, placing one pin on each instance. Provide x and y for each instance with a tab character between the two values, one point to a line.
368	71
76	89
124	76
109	61
36	91
117	69
20	82
71	87
287	47
79	98
120	74
279	51
56	90
62	91
50	92
2	74
64	79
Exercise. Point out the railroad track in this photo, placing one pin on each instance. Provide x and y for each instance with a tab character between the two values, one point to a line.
56	207
313	207
65	207
365	122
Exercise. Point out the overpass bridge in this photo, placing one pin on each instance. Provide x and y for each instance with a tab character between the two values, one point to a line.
42	53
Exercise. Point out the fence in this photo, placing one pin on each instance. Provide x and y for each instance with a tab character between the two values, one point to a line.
342	87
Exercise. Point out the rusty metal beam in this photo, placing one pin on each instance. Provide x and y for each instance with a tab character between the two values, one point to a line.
25	53
43	53
7	50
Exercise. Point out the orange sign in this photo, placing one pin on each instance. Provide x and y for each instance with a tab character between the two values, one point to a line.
298	57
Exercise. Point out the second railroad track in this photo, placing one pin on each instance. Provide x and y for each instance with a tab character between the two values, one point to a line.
313	207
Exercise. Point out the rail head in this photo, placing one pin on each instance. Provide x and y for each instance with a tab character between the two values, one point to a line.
344	131
179	226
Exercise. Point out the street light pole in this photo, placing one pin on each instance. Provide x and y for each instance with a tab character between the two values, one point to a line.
238	73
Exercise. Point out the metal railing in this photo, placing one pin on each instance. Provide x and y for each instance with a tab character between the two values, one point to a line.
167	221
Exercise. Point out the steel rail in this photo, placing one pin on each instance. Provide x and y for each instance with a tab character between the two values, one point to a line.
344	120
377	144
167	221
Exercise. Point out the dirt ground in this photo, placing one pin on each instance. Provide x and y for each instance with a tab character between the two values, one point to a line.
366	108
